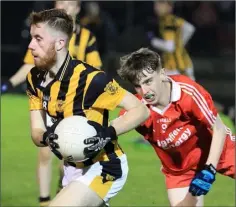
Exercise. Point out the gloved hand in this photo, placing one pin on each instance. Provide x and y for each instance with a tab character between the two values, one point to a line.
6	86
49	138
104	135
202	182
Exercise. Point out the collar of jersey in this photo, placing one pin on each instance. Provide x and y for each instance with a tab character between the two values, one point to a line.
176	90
64	68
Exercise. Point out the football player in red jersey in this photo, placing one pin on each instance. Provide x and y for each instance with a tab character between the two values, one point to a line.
184	128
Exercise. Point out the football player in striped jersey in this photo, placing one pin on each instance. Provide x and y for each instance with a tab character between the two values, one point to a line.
82	46
184	128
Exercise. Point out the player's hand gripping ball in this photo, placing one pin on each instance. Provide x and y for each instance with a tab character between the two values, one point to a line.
71	133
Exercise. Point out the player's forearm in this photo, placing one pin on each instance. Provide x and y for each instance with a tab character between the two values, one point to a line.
38	127
187	32
131	119
20	76
37	137
217	144
163	45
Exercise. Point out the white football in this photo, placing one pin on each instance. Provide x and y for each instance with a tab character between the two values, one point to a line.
72	131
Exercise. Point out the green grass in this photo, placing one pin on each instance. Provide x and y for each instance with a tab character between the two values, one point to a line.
145	185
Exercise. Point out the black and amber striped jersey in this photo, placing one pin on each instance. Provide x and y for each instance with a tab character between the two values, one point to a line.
170	28
77	89
82	46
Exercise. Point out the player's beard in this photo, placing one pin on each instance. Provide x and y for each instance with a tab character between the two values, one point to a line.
46	63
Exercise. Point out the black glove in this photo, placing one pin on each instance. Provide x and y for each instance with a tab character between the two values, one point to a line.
6	86
49	138
202	182
98	142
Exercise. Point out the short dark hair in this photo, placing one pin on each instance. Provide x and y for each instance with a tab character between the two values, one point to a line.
133	64
56	18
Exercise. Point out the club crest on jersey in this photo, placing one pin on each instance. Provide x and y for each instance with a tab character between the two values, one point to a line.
60	105
111	88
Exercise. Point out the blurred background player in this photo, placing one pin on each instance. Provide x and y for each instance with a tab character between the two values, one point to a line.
83	47
169	35
184	128
102	25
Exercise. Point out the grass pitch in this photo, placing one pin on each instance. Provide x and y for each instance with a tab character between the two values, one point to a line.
145	185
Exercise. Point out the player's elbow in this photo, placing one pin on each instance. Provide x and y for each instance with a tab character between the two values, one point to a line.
170	46
192	29
36	137
219	128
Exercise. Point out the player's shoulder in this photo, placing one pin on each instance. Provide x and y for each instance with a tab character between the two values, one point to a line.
181	78
87	68
87	30
184	82
189	87
174	17
175	20
98	76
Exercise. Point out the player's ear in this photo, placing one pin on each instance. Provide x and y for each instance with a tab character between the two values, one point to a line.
163	75
60	43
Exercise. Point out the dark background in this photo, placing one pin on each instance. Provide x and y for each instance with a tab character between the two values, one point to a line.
212	47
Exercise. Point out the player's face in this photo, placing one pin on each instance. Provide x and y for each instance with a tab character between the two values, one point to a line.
42	46
150	86
162	8
71	7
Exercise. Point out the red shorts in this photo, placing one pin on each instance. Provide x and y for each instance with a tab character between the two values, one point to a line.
226	166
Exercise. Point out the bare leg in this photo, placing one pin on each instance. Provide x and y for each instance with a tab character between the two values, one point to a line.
77	194
44	169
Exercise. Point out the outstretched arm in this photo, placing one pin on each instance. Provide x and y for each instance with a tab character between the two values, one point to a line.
136	113
20	76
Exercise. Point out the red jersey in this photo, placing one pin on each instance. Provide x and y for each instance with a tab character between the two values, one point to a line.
181	133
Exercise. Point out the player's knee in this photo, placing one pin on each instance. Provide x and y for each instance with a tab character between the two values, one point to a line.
45	155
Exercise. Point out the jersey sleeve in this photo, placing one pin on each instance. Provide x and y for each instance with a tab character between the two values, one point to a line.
103	92
29	59
35	103
92	55
202	105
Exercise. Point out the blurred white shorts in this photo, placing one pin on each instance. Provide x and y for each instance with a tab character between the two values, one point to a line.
106	178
